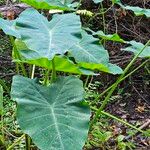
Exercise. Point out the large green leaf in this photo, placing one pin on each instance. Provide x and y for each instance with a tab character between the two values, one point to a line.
48	38
138	11
89	54
136	47
50	4
109	68
62	63
52	116
9	27
89	50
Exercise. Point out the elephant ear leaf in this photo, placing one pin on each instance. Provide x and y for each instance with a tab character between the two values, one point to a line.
50	4
54	117
48	38
8	27
136	47
89	50
90	54
62	63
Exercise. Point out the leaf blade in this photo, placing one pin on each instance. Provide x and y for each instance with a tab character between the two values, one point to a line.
48	38
58	106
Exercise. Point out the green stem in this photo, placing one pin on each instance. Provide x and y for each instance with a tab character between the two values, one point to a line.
122	121
16	142
53	77
129	74
118	119
17	56
79	4
103	16
28	142
33	71
86	82
27	138
116	84
4	86
101	13
46	79
1	113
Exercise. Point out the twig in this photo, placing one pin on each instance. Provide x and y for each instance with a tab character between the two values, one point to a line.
147	123
140	95
16	142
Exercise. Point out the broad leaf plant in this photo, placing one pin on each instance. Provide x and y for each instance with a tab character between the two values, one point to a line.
52	110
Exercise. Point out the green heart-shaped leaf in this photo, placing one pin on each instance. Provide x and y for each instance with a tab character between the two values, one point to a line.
48	38
52	116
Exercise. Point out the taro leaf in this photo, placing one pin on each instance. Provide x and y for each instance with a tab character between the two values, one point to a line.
109	68
93	66
53	116
89	50
8	27
62	63
48	38
114	69
89	54
97	1
136	47
110	37
1	100
138	11
50	4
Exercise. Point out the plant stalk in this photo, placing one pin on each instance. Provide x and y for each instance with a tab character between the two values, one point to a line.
27	141
122	79
17	56
27	138
122	121
116	84
2	113
33	72
118	119
53	77
16	142
6	88
46	79
86	82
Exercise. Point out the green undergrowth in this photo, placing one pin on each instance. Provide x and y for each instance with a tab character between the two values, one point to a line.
56	108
